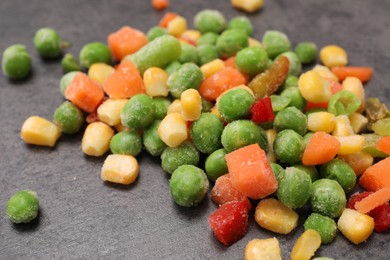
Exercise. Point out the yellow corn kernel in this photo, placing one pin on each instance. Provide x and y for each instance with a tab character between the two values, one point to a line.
254	43
248	6
99	72
358	122
271	135
306	245
175	107
96	139
173	130
110	111
120	168
212	67
350	144
193	35
343	126
333	55
259	249
325	72
155	80
313	87
355	226
191	104
359	161
120	128
321	121
355	85
177	26
272	215
40	131
215	111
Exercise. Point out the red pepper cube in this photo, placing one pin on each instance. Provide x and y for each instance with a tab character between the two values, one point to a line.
381	217
261	111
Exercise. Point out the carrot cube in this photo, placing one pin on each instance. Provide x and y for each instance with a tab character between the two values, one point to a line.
126	41
376	176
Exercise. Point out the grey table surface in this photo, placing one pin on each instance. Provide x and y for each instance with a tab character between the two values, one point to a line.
83	218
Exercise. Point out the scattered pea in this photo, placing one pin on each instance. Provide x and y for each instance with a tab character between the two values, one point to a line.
16	62
152	142
295	65
172	67
310	170
126	142
341	172
23	206
207	53
188	53
161	105
70	63
296	98
66	80
68	118
325	226
184	154
210	21
187	76
207	38
252	60
291	118
95	52
242	23
155	32
289	146
206	133
279	102
306	52
231	41
139	112
235	104
48	43
215	164
290	81
206	105
277	169
275	43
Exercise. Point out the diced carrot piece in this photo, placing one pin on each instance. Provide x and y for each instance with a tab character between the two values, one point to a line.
166	19
383	144
230	62
373	200
362	73
84	93
221	81
321	148
125	82
250	172
160	4
376	176
126	41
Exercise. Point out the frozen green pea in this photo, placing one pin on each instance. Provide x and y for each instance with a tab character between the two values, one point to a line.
94	52
306	137
275	43
252	60
126	142
310	170
155	32
23	206
66	80
207	53
68	118
210	21
343	102
184	154
241	133
152	142
161	105
327	198
279	102
294	65
139	112
172	67
215	164
277	169
289	146
207	38
291	118
294	187
296	98
341	172
325	226
206	105
16	62
188	53
188	185
187	76
70	63
242	23
290	81
48	43
235	104
206	133
230	42
157	53
306	52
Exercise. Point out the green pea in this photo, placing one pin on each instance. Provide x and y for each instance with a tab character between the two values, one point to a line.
291	118
188	53
157	53
126	142
161	105
296	98
206	105
252	60
207	38
289	146
306	52
294	65
294	187
210	21
230	42
290	81
215	164
184	154
188	185
277	169
275	43
306	137
235	104
172	67
343	102
66	80
94	52
341	172
310	170
70	63
155	32
325	226
327	198
206	133
48	43
152	142
207	53
16	62
241	133
23	206
139	112
279	102
242	23
68	118
187	76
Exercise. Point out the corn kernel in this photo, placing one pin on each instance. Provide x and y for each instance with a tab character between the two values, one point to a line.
321	121
333	55
173	130
110	111
175	107
120	128
271	135
355	226
259	249
359	161
120	168
191	104
358	122
355	85
306	245
249	6
40	131
96	139
325	72
99	72
343	126
212	67
254	43
193	35
350	144
313	87
155	80
177	26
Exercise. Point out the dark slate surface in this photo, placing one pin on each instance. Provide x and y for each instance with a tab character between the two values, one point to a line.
82	217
